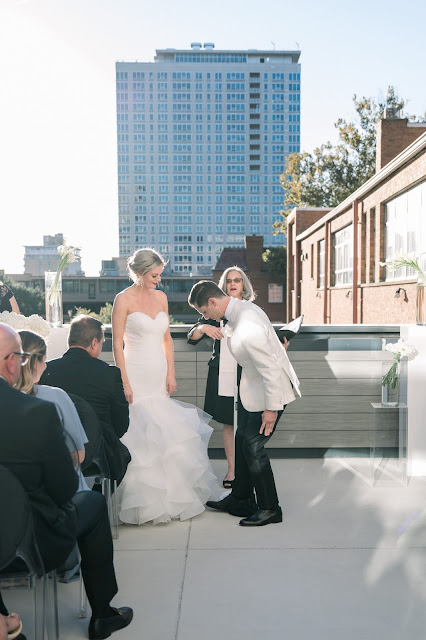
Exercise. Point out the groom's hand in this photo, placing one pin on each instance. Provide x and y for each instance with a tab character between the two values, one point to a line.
212	332
269	419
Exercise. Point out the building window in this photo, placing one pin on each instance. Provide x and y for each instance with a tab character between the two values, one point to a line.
343	256
372	246
321	264
404	231
275	293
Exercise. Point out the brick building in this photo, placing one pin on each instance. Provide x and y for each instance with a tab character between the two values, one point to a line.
333	256
268	286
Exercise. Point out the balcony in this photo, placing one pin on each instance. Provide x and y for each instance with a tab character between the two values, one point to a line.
347	562
340	369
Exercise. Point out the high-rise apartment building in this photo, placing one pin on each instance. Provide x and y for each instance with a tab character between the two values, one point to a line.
202	139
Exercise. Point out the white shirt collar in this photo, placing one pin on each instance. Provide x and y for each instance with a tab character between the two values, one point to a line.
229	308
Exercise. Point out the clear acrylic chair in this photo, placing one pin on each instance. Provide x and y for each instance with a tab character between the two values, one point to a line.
20	559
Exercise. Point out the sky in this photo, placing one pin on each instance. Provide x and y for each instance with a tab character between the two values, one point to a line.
58	165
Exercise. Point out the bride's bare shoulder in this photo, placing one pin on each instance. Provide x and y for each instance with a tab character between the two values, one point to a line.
124	297
161	297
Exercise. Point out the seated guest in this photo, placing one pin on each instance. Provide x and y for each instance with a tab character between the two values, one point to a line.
79	371
33	448
31	372
7	299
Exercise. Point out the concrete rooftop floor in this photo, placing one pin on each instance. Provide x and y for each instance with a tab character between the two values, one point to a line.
348	562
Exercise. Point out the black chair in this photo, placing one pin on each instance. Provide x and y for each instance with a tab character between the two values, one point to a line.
20	558
95	466
90	422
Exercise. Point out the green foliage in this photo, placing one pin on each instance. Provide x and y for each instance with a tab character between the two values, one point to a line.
85	312
275	260
105	313
329	174
29	300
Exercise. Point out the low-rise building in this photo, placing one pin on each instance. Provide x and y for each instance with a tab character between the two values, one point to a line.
45	257
334	274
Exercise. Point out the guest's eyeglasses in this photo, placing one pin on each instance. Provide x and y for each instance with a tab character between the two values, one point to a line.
231	280
24	356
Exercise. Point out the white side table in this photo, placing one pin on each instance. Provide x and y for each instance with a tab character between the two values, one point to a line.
389	437
415	387
57	341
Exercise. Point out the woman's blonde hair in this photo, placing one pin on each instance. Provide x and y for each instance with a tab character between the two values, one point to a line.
142	261
35	345
247	292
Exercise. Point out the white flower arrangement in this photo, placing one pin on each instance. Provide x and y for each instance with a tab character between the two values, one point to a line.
400	350
67	256
410	260
31	323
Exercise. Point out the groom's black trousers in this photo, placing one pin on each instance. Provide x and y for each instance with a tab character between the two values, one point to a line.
252	466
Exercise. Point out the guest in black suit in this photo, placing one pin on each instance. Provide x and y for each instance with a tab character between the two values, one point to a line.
79	371
33	448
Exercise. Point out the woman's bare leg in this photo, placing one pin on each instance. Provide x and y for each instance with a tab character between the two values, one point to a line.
228	443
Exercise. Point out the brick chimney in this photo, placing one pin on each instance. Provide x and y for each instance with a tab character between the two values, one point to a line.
393	136
254	250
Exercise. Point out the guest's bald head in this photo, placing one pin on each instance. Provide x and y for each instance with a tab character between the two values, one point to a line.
10	364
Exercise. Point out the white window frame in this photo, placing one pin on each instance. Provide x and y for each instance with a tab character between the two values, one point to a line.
405	229
321	264
344	256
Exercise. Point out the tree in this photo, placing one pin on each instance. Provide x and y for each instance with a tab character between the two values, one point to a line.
105	313
29	300
82	311
275	260
329	174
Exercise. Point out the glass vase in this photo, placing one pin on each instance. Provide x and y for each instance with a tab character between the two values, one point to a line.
421	303
390	392
53	294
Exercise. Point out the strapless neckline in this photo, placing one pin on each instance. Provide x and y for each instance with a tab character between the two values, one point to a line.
146	314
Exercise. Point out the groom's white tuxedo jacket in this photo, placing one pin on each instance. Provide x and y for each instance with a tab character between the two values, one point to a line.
266	369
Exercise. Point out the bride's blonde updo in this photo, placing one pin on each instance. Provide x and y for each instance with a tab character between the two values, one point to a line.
142	261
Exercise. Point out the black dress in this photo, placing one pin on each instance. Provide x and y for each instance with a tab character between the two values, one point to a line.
5	295
220	407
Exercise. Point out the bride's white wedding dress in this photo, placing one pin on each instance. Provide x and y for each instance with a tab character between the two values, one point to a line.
170	475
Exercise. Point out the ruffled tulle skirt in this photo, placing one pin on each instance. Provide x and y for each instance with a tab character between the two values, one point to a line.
170	475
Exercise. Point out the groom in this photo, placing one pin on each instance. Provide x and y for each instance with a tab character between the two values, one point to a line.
266	387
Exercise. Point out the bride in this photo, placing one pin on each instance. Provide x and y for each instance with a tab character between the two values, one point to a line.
170	475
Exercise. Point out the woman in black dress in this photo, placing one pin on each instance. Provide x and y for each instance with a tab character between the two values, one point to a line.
7	299
236	284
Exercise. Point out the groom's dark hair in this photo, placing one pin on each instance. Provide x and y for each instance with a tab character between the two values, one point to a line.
202	291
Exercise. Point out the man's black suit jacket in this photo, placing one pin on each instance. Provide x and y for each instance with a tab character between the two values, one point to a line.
32	446
101	385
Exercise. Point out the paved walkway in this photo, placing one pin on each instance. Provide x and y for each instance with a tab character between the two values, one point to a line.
348	562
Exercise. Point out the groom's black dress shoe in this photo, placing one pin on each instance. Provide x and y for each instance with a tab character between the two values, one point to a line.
100	628
262	517
229	504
